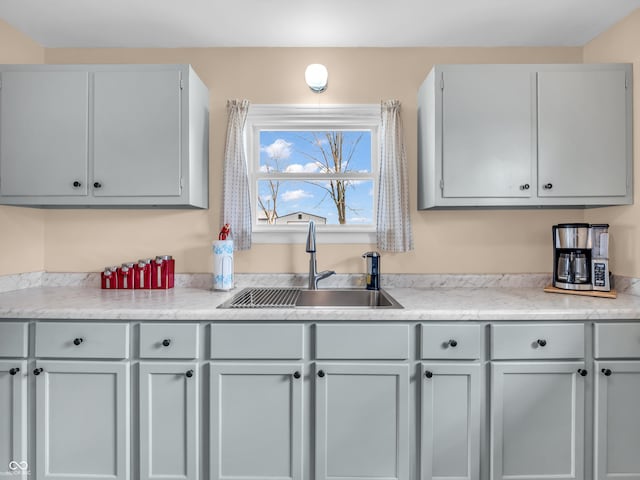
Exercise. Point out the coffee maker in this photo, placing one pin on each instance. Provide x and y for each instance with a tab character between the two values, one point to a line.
581	256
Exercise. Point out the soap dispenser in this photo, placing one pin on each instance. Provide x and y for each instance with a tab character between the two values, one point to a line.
373	270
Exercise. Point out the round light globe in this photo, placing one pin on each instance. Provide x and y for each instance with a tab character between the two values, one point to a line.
316	76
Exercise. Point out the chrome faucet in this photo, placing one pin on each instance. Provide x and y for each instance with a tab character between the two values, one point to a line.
314	275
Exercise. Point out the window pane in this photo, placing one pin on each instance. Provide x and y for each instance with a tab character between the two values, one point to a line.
348	202
315	151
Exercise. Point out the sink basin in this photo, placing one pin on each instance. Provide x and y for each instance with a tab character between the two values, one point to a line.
299	298
346	298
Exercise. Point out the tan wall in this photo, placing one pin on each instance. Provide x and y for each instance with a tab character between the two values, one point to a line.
446	241
21	230
622	44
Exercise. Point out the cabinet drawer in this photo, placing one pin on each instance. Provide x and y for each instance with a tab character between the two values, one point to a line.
617	340
537	341
168	340
446	341
14	339
362	342
257	341
82	340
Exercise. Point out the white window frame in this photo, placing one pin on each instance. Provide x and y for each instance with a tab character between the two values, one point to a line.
310	117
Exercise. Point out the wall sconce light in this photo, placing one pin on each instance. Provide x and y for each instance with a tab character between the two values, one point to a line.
316	76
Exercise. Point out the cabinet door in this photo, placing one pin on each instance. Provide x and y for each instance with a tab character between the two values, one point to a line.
488	127
256	421
450	412
617	420
169	416
44	133
537	420
82	420
137	133
362	423
13	419
582	134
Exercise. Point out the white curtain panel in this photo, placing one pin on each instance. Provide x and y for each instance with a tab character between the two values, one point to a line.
394	222
236	201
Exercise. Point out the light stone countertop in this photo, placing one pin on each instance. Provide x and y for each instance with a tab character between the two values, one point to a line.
420	304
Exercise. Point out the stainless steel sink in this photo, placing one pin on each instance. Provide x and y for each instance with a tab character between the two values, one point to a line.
300	298
346	298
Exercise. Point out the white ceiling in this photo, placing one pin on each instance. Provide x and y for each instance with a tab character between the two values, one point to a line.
300	23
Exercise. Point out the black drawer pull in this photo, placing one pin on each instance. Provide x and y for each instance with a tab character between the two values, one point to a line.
428	374
296	374
166	342
606	372
452	343
582	372
13	371
189	373
78	341
38	371
542	342
321	373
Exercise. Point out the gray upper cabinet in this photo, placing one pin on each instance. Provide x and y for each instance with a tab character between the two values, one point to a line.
525	135
137	133
44	133
582	134
103	135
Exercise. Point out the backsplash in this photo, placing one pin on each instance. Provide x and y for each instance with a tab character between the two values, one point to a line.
204	281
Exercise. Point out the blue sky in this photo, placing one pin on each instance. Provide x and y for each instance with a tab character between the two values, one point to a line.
298	151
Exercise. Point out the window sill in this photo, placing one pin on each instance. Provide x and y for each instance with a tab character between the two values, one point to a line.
297	236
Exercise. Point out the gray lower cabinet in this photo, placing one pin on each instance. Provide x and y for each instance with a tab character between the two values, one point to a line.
13	419
537	420
82	420
617	420
450	421
361	421
256	416
169	419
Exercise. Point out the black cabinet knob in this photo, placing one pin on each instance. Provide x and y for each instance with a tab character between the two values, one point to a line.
548	186
526	186
78	341
166	342
189	373
296	374
542	342
38	371
13	371
428	374
582	372
321	373
97	185
452	343
606	372
77	184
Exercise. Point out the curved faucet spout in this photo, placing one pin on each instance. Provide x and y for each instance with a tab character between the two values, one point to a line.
314	276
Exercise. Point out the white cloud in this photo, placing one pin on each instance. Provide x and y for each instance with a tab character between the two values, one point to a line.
310	167
280	149
293	195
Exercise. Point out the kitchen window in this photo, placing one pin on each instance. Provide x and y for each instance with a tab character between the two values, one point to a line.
313	163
